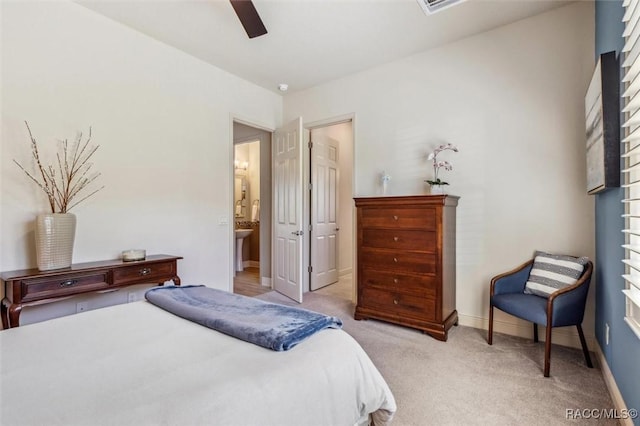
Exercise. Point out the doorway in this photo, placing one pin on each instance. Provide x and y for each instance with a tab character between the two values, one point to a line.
331	205
341	132
251	210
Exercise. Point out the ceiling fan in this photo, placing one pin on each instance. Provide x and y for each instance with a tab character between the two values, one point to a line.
249	17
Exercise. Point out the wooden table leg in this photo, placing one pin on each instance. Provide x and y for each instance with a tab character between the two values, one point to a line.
4	311
10	314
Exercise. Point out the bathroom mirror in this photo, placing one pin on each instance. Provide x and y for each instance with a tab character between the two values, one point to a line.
241	196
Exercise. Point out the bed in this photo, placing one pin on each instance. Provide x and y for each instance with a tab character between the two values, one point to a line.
136	364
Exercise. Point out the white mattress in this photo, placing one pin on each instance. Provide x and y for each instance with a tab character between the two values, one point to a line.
136	364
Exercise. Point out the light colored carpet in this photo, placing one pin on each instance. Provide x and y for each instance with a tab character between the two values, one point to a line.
464	381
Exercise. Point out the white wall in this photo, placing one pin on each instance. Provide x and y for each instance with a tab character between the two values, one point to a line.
162	120
512	100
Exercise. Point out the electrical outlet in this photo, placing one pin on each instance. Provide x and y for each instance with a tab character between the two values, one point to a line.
131	297
606	333
81	307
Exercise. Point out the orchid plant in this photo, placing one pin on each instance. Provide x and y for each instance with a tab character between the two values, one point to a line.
437	165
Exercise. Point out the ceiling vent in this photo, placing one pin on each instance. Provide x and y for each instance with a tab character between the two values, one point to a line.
433	6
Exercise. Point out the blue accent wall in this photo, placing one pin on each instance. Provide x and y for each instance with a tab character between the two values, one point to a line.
623	351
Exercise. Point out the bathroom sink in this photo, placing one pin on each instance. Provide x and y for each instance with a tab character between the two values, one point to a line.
243	233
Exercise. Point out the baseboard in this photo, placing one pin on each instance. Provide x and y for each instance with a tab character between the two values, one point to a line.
250	263
345	271
564	336
265	282
610	381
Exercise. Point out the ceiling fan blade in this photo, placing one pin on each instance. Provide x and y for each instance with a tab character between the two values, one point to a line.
249	17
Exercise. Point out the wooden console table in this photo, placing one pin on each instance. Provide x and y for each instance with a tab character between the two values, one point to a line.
30	287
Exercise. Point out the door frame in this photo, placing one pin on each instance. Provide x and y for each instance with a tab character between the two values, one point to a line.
307	127
339	119
230	202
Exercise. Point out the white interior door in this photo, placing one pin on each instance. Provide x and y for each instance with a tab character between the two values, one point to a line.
288	210
324	211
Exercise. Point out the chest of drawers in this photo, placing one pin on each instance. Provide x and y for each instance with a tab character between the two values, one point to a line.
406	261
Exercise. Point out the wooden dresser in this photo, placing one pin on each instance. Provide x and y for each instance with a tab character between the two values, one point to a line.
29	287
407	261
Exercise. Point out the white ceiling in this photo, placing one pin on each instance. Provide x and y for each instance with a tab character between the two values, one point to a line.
311	41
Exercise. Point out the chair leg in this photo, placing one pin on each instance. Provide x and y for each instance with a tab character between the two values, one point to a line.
535	332
490	336
585	350
547	351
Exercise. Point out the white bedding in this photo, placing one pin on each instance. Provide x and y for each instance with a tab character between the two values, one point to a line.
136	364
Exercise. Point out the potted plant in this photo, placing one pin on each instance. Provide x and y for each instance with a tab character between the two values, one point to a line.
65	182
436	184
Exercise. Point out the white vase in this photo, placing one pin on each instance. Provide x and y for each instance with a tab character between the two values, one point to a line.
55	233
437	189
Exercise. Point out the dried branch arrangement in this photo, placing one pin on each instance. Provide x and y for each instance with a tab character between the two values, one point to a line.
65	179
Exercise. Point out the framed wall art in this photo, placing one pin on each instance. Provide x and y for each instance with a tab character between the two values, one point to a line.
602	111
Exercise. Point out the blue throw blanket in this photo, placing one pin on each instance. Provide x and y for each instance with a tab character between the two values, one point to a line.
270	325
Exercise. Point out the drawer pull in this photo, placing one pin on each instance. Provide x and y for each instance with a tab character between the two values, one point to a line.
395	301
68	283
144	271
395	281
395	259
395	239
395	217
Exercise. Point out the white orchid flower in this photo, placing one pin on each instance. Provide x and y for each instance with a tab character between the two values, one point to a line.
444	164
437	165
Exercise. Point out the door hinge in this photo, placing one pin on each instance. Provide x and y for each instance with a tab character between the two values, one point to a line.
310	268
310	144
310	186
310	227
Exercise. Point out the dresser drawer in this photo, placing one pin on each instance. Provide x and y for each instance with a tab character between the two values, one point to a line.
146	273
400	239
410	218
423	285
65	285
423	308
396	260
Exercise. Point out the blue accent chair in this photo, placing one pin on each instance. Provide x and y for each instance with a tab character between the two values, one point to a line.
564	307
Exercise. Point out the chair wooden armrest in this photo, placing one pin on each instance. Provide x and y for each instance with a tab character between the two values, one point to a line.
512	281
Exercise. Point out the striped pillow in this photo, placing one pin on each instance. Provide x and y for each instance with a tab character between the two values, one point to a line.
552	272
